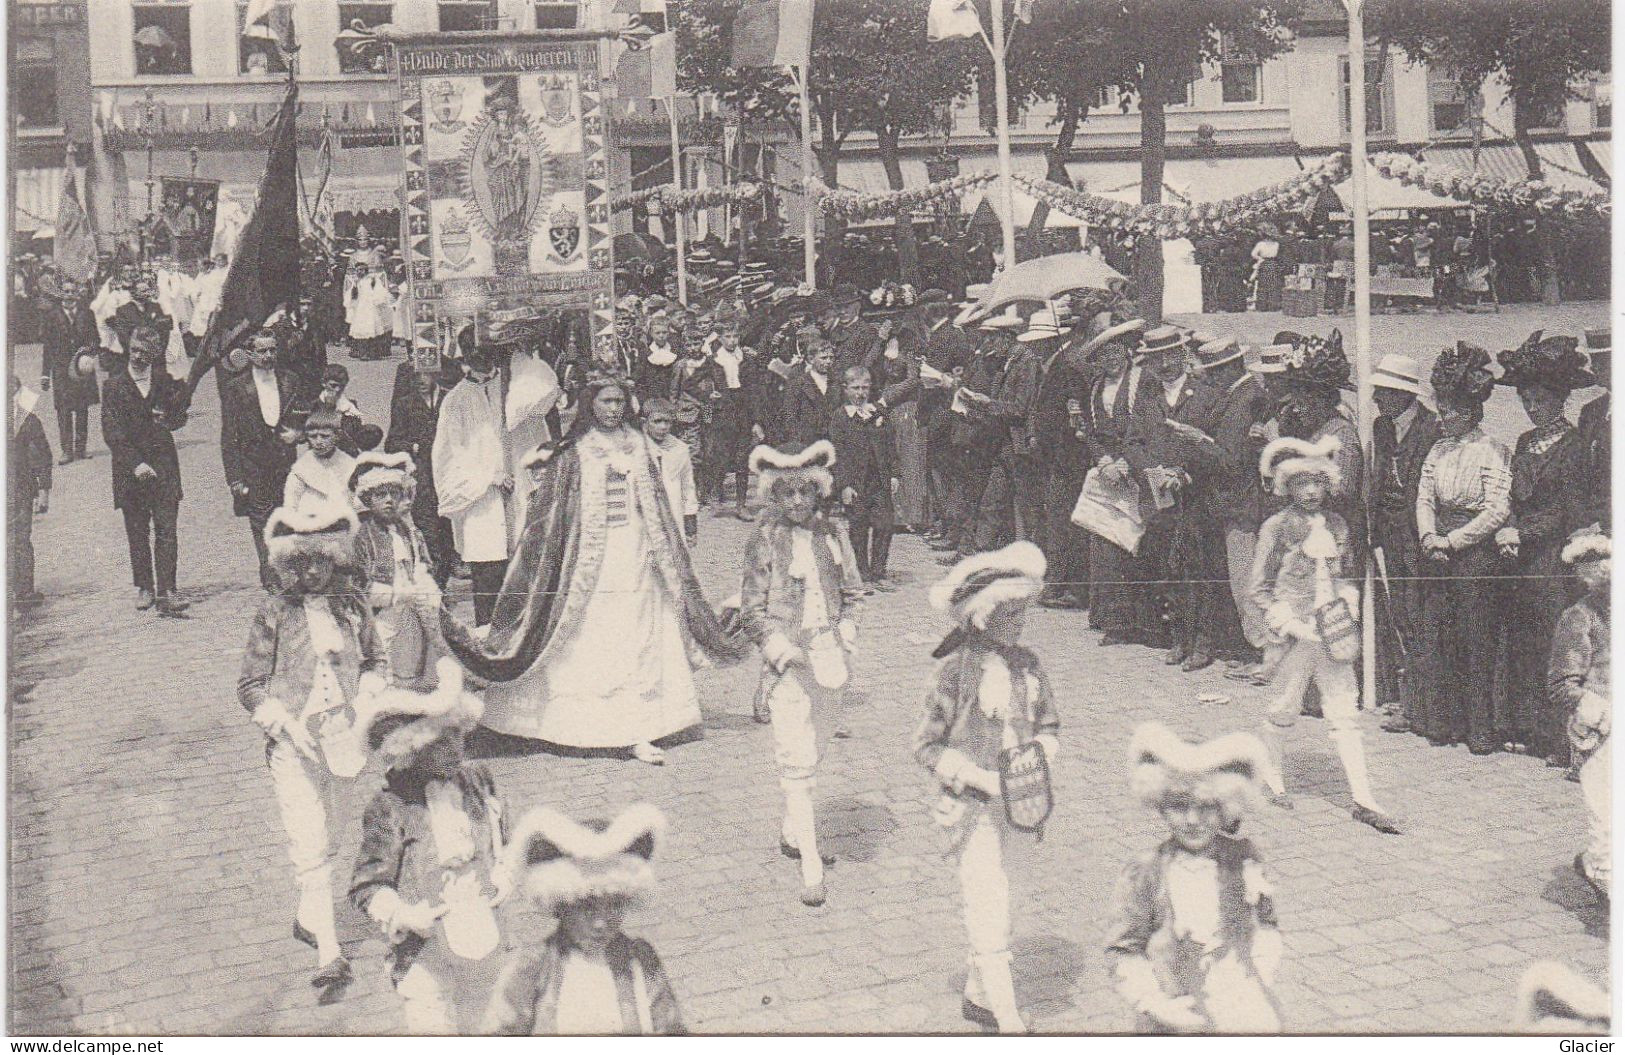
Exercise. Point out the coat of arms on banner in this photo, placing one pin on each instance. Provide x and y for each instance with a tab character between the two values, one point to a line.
564	233
446	103
455	242
556	108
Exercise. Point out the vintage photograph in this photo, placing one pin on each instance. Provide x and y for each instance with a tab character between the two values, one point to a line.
794	517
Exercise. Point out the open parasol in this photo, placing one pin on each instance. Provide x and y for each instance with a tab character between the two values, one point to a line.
1047	278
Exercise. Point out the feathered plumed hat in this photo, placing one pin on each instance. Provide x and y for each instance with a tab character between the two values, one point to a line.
398	723
1462	375
812	462
1289	456
374	469
1226	771
1552	998
556	861
327	529
1551	362
978	585
1586	546
1317	362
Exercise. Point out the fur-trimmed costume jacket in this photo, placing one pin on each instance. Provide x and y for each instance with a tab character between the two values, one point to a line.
400	852
526	1001
966	714
1206	922
555	564
1282	581
280	662
772	599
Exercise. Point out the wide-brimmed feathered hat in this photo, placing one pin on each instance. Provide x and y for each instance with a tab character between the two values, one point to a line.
978	585
327	529
1289	456
812	462
1318	362
398	723
1550	362
1552	998
1462	375
374	469
1227	771
555	861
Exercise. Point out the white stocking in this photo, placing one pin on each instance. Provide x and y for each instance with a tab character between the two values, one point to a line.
1351	750
1274	775
315	912
799	820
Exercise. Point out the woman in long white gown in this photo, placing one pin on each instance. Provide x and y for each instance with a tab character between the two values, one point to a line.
600	621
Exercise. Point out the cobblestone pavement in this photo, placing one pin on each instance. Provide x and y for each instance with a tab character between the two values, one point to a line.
150	891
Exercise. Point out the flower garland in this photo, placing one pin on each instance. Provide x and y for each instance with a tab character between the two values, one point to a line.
1537	195
852	205
1176	221
667	199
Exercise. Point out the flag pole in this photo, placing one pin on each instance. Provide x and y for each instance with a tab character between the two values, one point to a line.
1362	308
679	219
1001	100
809	219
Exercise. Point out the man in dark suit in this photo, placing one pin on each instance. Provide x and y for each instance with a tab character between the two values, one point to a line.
1238	497
865	472
857	341
413	419
1183	541
142	310
1060	433
67	327
1596	428
140	409
1402	434
258	409
740	416
811	396
948	348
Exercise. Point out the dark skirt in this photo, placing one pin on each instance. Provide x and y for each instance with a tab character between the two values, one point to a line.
1531	603
1457	654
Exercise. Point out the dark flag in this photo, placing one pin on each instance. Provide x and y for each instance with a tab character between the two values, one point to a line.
264	272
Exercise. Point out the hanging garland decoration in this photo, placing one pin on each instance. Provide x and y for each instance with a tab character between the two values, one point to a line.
666	199
1539	196
1177	221
852	205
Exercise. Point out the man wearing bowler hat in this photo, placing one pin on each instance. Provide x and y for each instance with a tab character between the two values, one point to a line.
1404	431
68	369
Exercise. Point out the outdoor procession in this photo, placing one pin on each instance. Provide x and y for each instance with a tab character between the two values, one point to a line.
785	517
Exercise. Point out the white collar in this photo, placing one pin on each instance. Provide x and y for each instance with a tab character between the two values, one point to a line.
1404	421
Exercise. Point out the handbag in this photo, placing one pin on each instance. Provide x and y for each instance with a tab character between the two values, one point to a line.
1338	631
1024	785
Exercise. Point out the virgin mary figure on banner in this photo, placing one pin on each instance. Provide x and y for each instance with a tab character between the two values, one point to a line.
601	621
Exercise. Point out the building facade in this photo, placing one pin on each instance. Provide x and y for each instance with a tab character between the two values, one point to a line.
48	76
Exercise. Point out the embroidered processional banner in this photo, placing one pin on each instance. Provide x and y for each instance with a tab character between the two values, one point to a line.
506	185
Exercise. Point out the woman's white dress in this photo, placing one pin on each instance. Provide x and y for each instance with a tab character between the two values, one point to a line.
619	674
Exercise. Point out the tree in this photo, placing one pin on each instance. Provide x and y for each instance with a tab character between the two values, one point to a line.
1167	43
872	70
1542	50
1066	55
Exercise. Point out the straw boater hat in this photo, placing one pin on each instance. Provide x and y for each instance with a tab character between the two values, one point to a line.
1398	372
978	585
1119	333
1210	355
1226	771
1461	375
813	462
1585	546
1041	327
1161	339
1270	359
1550	362
327	529
1554	999
1008	319
398	723
555	861
374	470
1289	456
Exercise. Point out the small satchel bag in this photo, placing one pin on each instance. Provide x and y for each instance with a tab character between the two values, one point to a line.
1024	785
1338	630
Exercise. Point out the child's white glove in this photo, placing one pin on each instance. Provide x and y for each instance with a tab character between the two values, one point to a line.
278	724
1137	984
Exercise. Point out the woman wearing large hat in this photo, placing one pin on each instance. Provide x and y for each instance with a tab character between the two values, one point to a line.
1462	500
1547	507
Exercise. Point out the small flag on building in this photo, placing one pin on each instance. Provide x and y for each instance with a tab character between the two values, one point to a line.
773	33
948	19
75	240
647	65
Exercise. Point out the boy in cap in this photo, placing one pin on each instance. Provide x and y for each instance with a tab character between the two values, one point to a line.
1194	945
1301	572
431	839
394	562
588	977
321	475
1578	683
989	736
798	603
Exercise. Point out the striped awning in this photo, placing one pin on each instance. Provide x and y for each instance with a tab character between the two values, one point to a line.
1560	165
1602	151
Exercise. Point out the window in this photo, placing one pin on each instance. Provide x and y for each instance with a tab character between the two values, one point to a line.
461	16
1548	114
1447	103
1239	73
355	18
33	83
162	37
553	15
1379	97
261	54
1186	97
1602	104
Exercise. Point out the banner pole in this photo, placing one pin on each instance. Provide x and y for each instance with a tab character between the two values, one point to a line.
809	219
679	220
